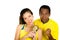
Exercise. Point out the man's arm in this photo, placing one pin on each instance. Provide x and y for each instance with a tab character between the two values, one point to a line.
48	33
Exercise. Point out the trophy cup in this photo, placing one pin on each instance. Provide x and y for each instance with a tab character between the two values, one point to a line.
35	28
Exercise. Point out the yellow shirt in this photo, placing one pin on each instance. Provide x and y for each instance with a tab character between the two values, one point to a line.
51	25
23	33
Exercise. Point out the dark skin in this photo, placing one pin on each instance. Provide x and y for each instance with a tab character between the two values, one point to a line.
44	16
48	33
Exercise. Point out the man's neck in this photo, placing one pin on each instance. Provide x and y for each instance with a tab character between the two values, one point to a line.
45	21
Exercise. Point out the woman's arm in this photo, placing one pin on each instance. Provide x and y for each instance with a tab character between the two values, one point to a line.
17	32
39	34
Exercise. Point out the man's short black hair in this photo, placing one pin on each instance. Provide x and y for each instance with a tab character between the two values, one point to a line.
45	7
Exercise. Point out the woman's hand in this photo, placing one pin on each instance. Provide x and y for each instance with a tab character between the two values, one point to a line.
31	34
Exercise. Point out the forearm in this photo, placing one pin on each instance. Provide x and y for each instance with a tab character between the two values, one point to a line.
50	37
16	37
39	34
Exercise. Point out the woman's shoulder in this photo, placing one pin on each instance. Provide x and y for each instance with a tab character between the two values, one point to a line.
19	26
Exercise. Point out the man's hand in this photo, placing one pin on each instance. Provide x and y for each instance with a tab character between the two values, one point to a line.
48	33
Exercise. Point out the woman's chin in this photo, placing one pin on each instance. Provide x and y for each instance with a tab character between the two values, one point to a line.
30	23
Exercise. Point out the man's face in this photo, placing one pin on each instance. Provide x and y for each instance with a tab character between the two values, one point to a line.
44	15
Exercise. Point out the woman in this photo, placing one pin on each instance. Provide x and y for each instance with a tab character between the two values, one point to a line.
24	30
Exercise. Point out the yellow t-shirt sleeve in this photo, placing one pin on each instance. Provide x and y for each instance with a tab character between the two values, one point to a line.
55	31
36	22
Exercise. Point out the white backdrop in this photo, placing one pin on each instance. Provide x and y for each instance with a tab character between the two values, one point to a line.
10	11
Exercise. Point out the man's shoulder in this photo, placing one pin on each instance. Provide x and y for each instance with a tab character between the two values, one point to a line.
36	20
53	21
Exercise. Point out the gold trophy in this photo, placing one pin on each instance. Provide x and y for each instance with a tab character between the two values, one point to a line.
35	28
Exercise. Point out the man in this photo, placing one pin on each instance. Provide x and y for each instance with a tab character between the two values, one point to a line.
48	26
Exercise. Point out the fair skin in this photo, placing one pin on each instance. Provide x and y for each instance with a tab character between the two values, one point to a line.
28	18
17	32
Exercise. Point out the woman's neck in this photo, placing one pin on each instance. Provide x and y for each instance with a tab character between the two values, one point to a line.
29	28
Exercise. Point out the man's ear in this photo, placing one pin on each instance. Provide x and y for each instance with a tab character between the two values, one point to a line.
39	14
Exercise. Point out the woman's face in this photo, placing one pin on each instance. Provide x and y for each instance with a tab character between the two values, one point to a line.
28	18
